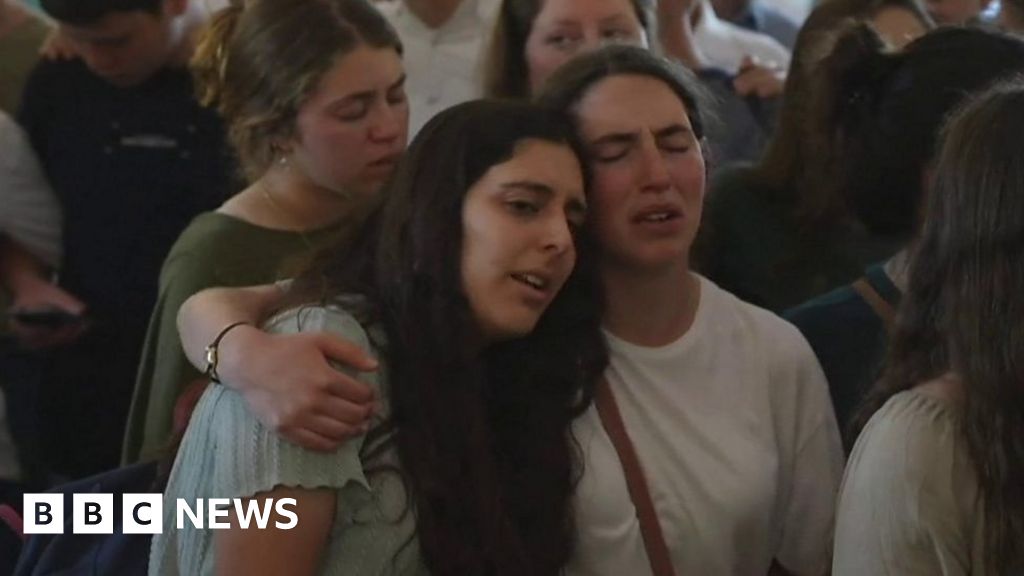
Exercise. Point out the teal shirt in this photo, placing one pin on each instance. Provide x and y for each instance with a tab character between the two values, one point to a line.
849	339
227	453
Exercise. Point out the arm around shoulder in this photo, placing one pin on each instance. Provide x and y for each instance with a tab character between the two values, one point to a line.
287	380
204	314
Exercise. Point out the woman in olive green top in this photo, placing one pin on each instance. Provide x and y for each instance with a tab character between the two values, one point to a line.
312	94
935	483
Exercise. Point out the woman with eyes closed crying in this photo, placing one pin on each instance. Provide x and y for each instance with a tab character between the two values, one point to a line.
472	286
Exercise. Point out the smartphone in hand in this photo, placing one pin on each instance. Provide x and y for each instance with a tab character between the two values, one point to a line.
52	318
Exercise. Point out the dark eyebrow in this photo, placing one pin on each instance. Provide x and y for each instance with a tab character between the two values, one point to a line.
575	205
398	83
366	95
673	130
361	97
616	138
530	186
615	18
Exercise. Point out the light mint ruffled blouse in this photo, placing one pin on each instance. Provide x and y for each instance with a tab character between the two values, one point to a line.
227	453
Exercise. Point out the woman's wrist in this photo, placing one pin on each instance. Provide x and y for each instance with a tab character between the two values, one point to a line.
235	346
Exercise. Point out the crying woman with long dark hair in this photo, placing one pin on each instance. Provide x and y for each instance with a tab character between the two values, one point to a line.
472	286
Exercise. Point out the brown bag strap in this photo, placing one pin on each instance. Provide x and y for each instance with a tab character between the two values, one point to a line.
884	310
636	483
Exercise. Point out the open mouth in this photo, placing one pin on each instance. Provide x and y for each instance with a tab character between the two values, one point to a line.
658	215
532	280
386	161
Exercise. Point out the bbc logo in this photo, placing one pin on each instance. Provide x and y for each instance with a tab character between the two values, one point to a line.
93	514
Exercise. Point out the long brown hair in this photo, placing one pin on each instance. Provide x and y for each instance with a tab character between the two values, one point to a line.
483	438
797	166
886	109
963	311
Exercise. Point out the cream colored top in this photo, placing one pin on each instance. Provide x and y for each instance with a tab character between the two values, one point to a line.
909	504
227	453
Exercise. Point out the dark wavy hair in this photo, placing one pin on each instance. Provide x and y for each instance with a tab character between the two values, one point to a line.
888	108
799	161
963	311
570	83
483	439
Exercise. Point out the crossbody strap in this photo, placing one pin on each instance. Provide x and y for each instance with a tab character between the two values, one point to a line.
636	483
883	309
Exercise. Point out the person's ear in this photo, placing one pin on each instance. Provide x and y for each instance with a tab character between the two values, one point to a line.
281	150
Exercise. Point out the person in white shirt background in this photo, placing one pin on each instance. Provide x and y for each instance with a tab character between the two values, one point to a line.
728	46
444	41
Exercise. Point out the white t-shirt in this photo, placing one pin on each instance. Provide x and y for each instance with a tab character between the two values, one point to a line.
443	65
737	438
724	44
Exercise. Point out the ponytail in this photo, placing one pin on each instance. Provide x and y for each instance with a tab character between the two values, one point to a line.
210	62
845	85
853	75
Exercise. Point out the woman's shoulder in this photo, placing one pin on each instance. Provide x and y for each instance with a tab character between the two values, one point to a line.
912	450
217	249
744	321
251	457
209	251
909	499
924	418
208	227
208	238
342	315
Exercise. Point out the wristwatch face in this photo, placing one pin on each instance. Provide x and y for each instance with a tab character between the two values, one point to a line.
211	359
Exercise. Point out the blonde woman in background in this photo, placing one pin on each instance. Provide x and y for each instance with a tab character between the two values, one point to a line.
312	94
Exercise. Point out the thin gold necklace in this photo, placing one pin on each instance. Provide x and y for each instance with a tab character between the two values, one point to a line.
281	212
